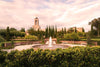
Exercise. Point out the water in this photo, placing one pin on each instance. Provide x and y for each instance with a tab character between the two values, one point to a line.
50	45
50	42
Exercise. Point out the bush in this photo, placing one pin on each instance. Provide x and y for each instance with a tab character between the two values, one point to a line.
81	34
70	57
3	33
31	37
1	44
89	38
58	40
98	42
15	34
43	41
2	58
2	39
71	36
12	43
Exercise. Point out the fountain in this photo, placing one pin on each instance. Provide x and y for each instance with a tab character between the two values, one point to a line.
50	44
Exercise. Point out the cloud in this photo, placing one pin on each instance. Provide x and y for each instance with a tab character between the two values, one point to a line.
21	13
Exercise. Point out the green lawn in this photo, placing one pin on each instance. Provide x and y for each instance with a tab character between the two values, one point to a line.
93	39
10	41
9	47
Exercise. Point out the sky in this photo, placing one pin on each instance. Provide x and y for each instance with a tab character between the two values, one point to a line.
62	13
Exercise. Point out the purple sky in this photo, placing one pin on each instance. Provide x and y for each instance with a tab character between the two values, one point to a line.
63	13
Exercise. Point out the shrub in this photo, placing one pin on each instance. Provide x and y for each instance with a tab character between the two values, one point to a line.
12	42
98	42
81	34
31	37
70	57
2	58
71	36
88	38
43	41
58	40
2	39
18	38
1	44
3	33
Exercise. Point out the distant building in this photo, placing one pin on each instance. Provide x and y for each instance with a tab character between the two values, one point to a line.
36	26
36	23
80	29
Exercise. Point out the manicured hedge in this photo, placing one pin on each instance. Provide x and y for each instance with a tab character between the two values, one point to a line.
70	57
1	39
98	42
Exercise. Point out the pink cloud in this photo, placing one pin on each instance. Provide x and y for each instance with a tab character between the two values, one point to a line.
21	13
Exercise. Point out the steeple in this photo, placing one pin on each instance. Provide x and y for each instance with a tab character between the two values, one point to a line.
36	23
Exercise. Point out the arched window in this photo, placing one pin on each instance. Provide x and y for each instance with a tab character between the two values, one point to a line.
36	22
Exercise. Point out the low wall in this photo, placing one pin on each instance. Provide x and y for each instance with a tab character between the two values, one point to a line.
23	43
78	42
7	44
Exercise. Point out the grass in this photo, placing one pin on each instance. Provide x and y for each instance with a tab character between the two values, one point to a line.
93	39
14	41
9	47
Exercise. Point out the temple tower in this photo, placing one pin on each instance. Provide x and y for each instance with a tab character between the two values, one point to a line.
36	23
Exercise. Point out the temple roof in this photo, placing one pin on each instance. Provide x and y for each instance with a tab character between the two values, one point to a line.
36	17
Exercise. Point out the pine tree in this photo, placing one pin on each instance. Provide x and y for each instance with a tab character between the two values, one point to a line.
83	30
65	30
75	30
46	32
8	34
55	31
49	31
62	32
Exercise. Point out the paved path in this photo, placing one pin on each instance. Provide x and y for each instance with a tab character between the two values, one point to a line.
21	47
24	47
73	45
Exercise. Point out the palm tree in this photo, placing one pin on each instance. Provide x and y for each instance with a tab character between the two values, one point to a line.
95	23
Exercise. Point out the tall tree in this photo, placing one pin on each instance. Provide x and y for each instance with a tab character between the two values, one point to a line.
49	31
62	32
55	32
75	30
13	29
22	30
46	32
8	34
31	31
65	30
83	30
88	36
95	23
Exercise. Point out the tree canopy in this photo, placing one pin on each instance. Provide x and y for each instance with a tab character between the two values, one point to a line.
95	25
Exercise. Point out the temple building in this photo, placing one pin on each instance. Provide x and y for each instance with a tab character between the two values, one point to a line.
36	23
79	29
36	26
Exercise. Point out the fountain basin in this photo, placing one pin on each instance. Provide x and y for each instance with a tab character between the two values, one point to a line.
47	47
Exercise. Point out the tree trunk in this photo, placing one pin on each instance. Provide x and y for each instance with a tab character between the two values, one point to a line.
98	30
